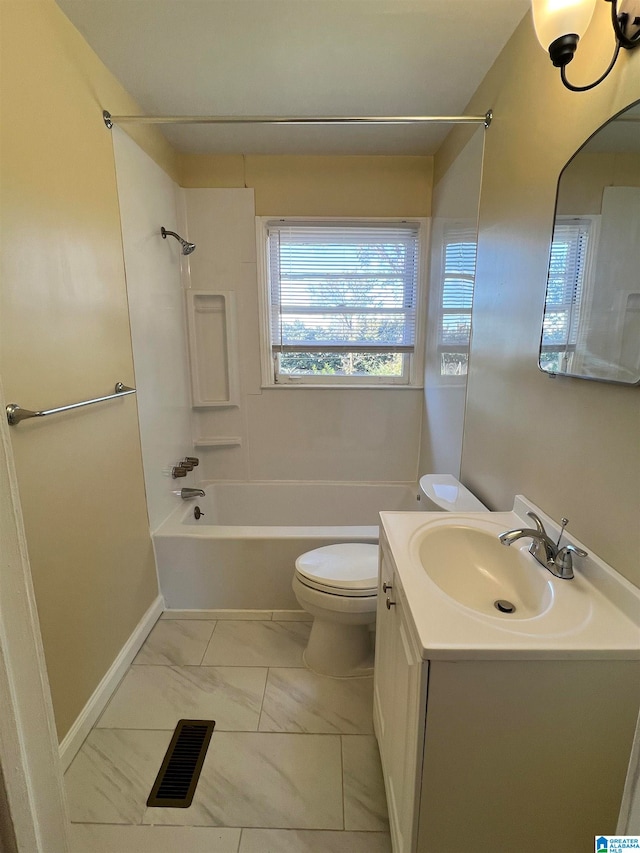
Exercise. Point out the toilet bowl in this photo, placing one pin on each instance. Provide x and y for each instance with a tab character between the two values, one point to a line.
337	584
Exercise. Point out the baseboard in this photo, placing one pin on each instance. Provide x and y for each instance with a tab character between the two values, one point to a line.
85	721
263	615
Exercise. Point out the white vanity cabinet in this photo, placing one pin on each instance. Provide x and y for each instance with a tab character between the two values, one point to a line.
486	753
400	686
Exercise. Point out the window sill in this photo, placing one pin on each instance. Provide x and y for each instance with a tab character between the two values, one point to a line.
312	386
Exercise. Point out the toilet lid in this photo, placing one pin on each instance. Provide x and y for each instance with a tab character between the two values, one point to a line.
350	566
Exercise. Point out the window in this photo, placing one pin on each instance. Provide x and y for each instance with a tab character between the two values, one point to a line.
565	290
458	278
342	300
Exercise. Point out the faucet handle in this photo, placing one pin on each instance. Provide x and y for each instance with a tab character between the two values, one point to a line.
564	559
187	464
193	460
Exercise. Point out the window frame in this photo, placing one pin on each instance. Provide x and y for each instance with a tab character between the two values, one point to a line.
412	376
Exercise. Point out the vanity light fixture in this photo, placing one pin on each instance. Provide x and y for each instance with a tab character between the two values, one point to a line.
560	24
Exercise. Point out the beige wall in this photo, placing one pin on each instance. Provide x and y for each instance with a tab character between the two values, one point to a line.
65	337
571	446
584	179
319	186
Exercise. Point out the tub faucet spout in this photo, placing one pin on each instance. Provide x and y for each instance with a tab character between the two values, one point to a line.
187	494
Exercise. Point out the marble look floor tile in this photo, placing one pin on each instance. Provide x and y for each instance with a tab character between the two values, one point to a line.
182	642
110	778
257	644
309	841
265	780
365	804
298	700
105	838
156	697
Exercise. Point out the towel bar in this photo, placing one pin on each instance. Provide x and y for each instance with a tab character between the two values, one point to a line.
15	413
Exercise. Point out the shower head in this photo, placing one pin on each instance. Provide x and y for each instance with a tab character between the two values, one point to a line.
187	248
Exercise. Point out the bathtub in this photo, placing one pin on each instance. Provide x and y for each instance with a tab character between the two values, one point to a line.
240	553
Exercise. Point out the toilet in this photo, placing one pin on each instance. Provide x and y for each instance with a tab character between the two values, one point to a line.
337	585
443	493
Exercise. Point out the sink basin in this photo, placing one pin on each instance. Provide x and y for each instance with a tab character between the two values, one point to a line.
471	566
450	568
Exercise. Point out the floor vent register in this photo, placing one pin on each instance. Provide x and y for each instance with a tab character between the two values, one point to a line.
177	779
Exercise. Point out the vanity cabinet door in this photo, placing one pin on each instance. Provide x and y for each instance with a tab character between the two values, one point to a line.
399	703
386	638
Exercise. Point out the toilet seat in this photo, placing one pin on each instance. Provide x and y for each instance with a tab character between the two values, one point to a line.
349	570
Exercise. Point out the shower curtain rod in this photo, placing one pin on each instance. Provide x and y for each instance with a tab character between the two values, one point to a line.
110	120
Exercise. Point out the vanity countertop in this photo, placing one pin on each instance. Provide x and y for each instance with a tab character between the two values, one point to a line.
596	615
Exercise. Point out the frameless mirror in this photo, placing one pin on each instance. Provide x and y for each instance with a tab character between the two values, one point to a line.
591	326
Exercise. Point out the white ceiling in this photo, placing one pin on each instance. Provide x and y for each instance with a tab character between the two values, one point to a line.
299	57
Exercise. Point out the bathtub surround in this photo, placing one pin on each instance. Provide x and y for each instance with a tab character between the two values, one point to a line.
147	196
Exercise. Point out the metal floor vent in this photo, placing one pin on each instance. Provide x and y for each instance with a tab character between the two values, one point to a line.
178	776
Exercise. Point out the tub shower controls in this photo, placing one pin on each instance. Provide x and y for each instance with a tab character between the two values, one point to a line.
190	462
187	464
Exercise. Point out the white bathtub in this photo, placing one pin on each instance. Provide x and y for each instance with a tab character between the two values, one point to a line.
240	554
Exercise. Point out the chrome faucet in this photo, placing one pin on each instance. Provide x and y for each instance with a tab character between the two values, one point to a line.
187	494
559	561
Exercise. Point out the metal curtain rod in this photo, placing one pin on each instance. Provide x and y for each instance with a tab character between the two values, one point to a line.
110	120
15	414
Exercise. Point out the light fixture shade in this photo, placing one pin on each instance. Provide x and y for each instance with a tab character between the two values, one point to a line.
556	18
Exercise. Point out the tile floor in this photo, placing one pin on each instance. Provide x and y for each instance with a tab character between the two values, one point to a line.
293	765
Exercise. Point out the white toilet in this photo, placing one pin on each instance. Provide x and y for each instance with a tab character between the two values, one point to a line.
443	493
338	584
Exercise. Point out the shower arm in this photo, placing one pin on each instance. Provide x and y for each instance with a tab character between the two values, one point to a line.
187	248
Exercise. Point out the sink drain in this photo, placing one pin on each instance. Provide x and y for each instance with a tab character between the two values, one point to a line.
504	606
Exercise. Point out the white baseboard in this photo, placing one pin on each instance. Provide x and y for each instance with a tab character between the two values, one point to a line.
264	615
85	721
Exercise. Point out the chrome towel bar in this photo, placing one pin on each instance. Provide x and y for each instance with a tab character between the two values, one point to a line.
15	414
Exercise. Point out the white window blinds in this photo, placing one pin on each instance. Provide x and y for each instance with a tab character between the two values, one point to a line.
457	287
456	302
565	284
341	287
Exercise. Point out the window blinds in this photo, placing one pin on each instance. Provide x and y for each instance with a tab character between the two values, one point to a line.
457	288
342	287
565	284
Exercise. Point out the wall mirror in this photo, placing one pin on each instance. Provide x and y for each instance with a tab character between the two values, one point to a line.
591	326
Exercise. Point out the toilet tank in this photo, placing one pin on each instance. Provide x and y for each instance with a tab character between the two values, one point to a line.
443	493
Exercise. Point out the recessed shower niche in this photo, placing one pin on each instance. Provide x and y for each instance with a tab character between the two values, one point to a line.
213	359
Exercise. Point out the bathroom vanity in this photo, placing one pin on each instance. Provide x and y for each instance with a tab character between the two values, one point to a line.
505	732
